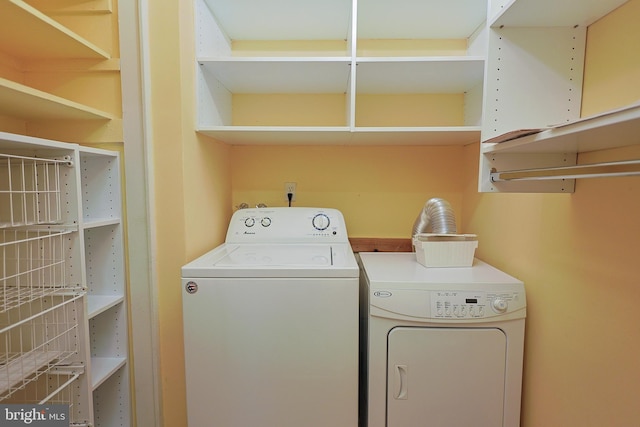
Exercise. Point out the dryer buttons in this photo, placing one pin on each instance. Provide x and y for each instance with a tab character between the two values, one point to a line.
458	305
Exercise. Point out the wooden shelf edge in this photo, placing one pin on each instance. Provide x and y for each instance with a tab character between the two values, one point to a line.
376	244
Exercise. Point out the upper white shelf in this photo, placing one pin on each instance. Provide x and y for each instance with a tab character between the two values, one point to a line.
613	129
340	47
27	33
10	141
419	75
551	13
331	19
458	135
274	135
278	135
280	75
425	19
24	102
265	20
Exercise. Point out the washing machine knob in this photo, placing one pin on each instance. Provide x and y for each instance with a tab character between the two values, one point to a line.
249	222
320	221
500	305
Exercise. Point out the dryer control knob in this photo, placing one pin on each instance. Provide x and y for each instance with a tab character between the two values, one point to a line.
500	305
320	222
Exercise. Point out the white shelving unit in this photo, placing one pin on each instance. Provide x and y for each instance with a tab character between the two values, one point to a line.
63	268
101	223
534	82
261	68
361	57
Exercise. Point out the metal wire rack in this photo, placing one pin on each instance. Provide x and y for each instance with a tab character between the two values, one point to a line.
60	237
36	339
32	265
58	387
30	190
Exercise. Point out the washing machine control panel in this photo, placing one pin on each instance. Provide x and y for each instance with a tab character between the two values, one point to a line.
287	225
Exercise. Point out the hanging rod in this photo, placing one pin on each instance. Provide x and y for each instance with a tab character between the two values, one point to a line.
596	170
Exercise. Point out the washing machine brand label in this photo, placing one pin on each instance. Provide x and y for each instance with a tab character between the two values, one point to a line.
382	294
191	287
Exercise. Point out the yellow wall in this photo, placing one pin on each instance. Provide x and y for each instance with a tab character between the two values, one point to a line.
380	190
576	253
578	256
192	186
612	76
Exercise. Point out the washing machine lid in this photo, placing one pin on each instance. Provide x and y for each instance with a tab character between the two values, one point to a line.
275	260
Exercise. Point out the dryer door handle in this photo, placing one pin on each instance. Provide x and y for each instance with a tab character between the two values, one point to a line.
401	382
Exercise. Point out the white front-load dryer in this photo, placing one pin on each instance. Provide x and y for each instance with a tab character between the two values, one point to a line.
443	346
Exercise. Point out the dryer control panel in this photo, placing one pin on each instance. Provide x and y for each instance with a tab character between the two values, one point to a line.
447	305
396	286
461	305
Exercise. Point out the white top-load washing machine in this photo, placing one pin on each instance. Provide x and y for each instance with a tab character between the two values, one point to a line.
445	345
271	323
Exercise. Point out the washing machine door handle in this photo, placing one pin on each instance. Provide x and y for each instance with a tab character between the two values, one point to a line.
401	383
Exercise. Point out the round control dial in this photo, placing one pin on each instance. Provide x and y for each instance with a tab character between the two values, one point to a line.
499	305
249	222
321	222
266	221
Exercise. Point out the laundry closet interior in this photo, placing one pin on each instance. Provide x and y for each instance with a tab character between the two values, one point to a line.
131	131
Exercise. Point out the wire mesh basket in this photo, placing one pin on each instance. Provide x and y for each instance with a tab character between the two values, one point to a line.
36	339
33	265
30	190
58	387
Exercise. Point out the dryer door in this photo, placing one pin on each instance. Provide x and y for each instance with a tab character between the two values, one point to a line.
446	377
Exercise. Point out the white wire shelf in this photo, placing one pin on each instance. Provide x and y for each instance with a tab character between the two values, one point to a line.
33	265
57	387
35	339
30	190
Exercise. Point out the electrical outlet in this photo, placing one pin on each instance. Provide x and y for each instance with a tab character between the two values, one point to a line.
290	187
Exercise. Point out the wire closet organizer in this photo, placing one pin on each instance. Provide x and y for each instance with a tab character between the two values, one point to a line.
41	308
